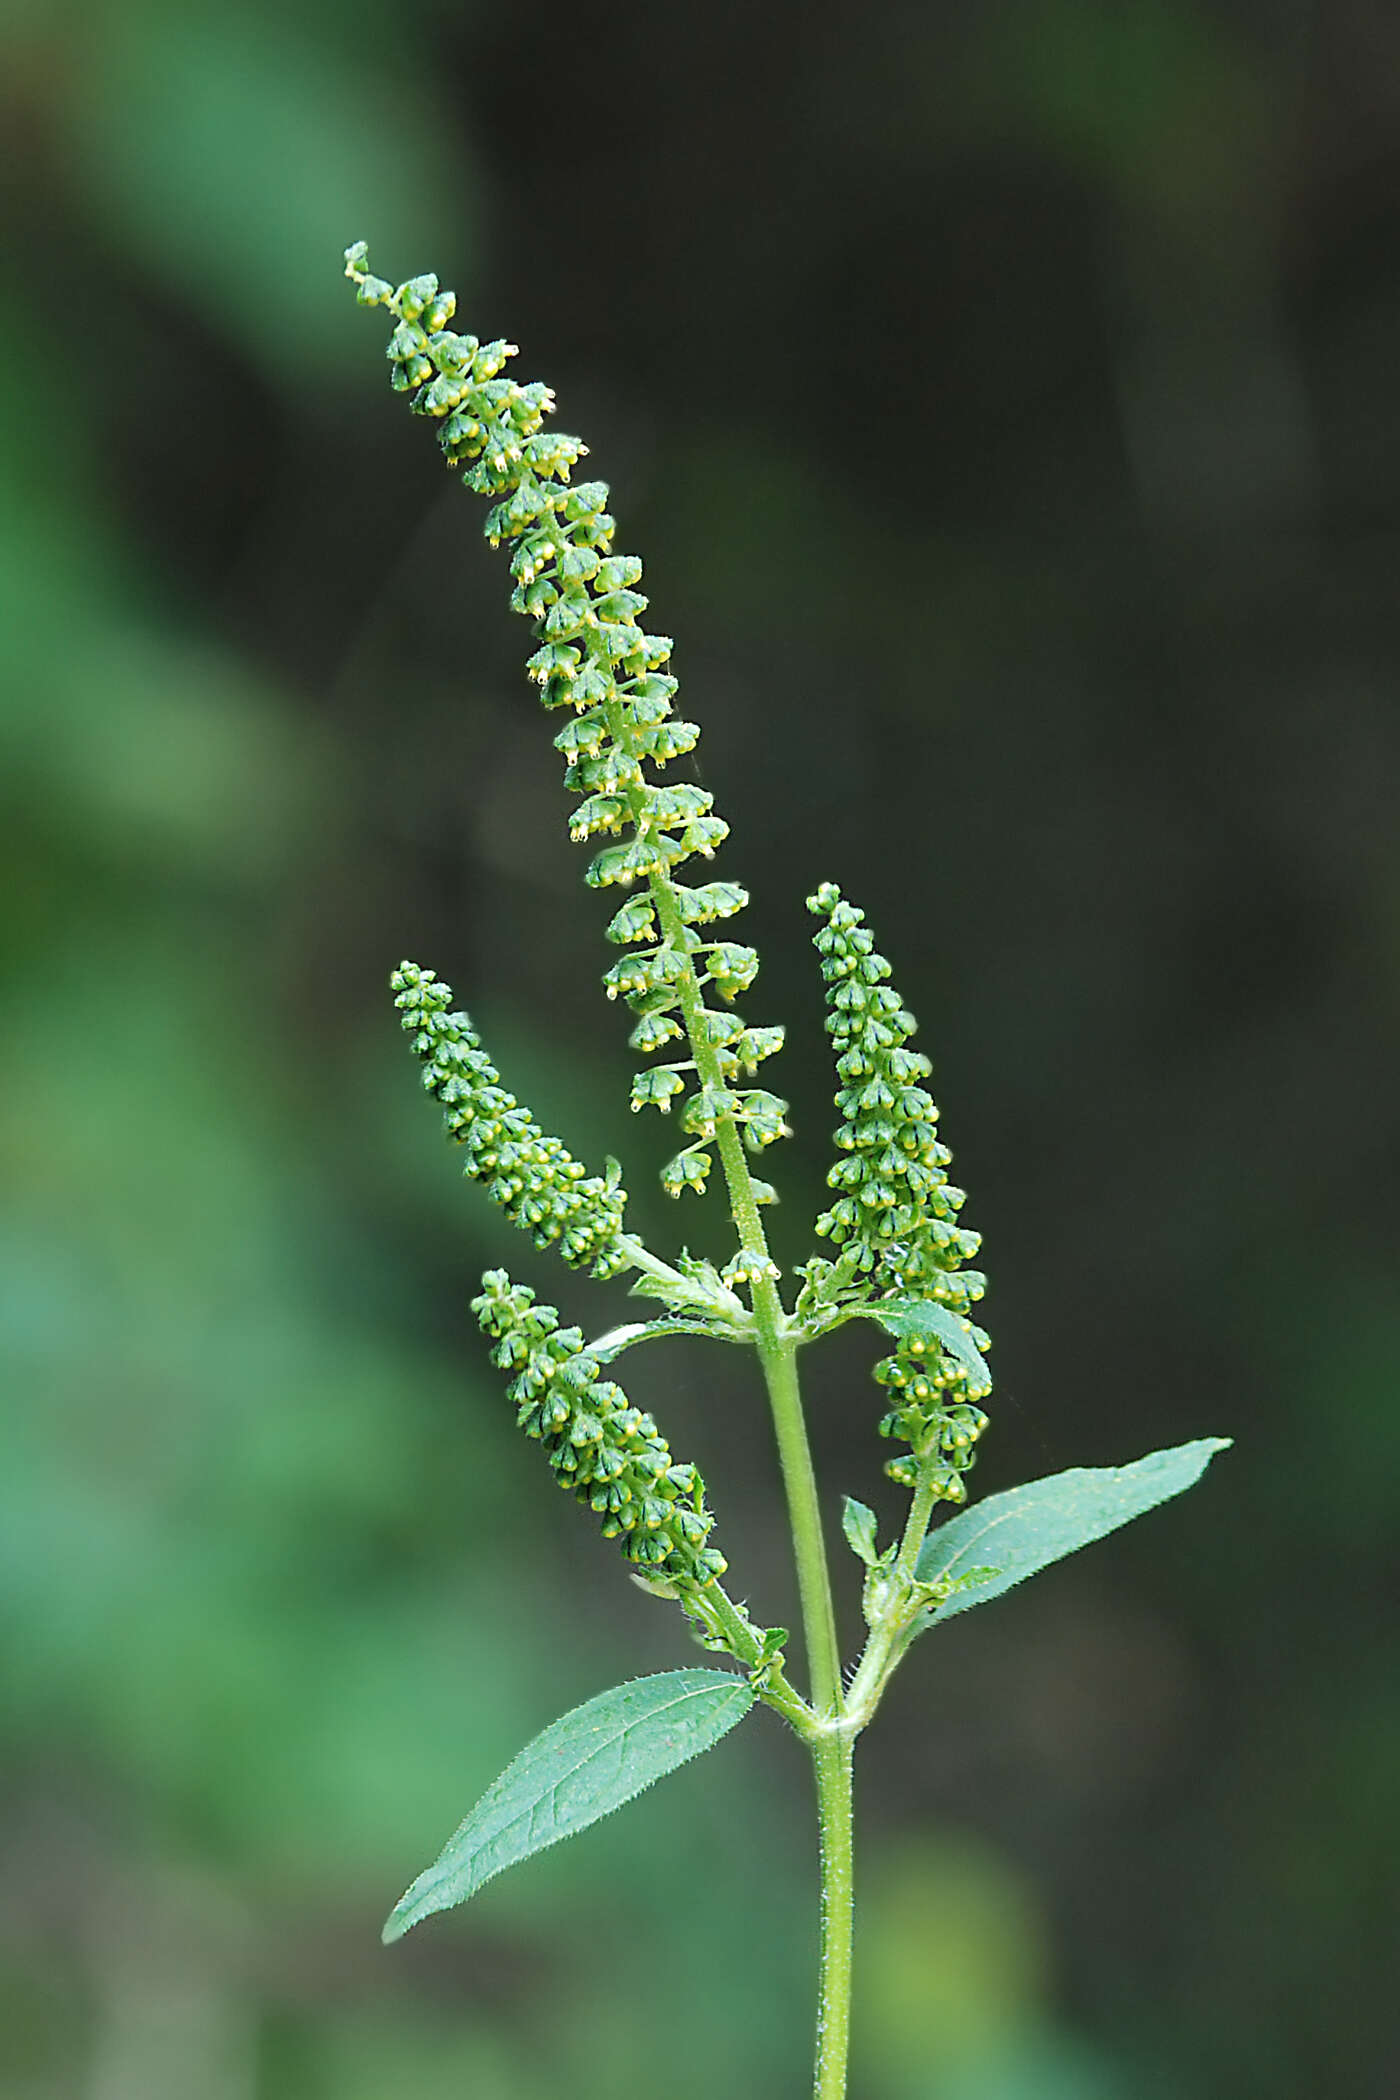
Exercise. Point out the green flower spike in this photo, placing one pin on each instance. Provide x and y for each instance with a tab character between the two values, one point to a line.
896	1211
596	659
900	1256
933	1412
608	1452
539	1184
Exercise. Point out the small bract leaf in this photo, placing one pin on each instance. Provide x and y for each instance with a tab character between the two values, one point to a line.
1007	1538
581	1768
858	1523
612	1344
918	1319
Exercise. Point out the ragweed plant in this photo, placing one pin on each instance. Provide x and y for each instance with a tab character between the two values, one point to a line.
899	1255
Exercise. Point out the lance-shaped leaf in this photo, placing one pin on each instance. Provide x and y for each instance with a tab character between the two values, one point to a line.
858	1524
918	1319
584	1766
1012	1536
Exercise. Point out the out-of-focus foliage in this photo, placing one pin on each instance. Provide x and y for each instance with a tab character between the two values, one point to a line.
1006	401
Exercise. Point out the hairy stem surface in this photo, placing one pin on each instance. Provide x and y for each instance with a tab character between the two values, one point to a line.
832	1757
916	1531
777	1350
778	1356
777	1353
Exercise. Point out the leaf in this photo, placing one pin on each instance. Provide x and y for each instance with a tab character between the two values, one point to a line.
911	1319
697	1291
858	1523
584	1766
617	1339
820	1302
1015	1535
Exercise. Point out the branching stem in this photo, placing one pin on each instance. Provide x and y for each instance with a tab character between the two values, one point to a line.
677	1288
831	1746
778	1356
915	1531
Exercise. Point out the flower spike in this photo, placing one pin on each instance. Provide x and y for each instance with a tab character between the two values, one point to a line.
896	1212
608	1452
539	1184
597	660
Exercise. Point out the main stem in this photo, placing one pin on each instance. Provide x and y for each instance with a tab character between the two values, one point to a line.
776	1349
831	1757
777	1354
831	1746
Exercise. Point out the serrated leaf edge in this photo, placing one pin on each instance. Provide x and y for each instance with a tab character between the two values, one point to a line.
400	1922
964	1600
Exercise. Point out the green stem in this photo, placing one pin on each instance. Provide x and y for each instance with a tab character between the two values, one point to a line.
778	1355
716	1606
831	1758
894	1627
777	1350
915	1531
678	1288
832	1746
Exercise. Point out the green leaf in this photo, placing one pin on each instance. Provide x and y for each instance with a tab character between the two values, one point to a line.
696	1292
1017	1534
858	1523
617	1339
918	1319
581	1768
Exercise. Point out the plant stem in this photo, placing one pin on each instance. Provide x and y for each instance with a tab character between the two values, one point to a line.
832	1748
831	1758
777	1350
676	1287
915	1531
778	1356
893	1630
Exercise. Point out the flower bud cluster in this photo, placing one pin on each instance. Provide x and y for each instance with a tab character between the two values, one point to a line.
895	1204
896	1209
596	659
934	1411
609	1453
536	1180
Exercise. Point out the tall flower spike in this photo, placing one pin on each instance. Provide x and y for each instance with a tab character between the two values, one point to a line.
608	1452
896	1210
597	660
539	1184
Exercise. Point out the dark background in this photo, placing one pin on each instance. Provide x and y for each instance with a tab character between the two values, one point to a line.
1006	399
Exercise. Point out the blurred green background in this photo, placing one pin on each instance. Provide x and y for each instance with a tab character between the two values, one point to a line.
1007	402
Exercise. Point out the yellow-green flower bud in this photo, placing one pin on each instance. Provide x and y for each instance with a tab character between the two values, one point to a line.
896	1211
610	1454
536	1180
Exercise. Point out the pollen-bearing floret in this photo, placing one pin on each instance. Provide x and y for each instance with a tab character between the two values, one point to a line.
534	1177
896	1210
597	660
611	1454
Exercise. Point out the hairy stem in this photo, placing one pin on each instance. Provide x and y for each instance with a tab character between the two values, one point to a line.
915	1531
778	1355
742	1203
677	1289
832	1757
777	1349
777	1352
